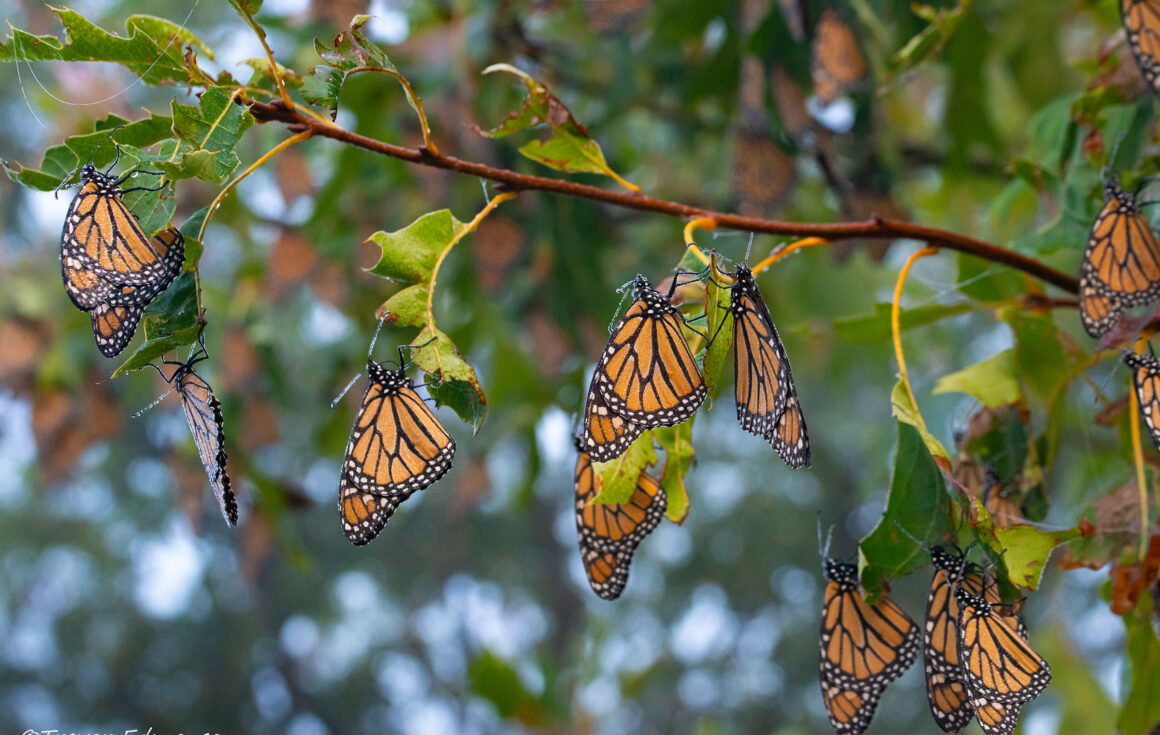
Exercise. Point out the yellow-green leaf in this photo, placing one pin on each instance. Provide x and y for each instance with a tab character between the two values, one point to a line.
991	381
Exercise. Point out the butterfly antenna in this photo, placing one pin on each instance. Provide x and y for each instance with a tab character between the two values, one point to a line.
375	338
159	398
624	292
824	548
344	390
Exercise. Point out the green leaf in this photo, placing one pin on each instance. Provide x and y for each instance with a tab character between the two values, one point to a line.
407	308
930	40
568	148
61	160
906	412
918	502
462	398
154	210
153	50
1141	708
677	441
215	125
1041	362
409	254
875	327
352	53
618	477
1022	549
436	355
170	322
991	381
719	326
567	152
1026	549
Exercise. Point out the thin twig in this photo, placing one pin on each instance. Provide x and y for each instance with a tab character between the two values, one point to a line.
873	227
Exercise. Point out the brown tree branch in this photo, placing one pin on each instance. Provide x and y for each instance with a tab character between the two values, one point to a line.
875	227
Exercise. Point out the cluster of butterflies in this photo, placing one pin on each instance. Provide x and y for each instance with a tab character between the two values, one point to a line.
112	270
647	377
978	661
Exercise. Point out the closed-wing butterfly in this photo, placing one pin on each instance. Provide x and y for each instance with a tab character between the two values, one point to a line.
203	412
863	648
397	446
1142	22
647	374
996	661
1146	382
610	532
1121	262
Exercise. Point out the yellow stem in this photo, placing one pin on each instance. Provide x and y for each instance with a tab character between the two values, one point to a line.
229	187
701	223
621	180
793	247
896	329
418	103
1138	456
273	64
468	228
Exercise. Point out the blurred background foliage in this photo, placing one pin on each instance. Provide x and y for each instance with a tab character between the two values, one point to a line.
127	604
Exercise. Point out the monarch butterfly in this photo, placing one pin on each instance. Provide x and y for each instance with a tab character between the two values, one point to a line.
947	694
864	647
997	664
759	360
396	448
100	234
1004	512
850	710
647	373
1121	263
203	412
606	434
116	308
995	718
837	65
1142	22
1146	379
609	533
789	438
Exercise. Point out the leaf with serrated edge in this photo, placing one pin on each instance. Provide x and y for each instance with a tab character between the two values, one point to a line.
409	254
153	50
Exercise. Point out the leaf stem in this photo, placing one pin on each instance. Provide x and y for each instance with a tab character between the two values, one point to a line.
896	329
1138	457
227	189
793	247
416	103
467	229
700	223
